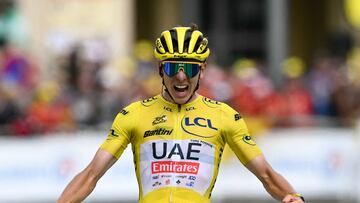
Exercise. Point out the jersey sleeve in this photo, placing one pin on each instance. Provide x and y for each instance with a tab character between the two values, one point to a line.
237	136
121	131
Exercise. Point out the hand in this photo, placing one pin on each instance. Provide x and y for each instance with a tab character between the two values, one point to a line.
292	199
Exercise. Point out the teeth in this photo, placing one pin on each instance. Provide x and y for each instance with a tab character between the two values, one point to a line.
180	86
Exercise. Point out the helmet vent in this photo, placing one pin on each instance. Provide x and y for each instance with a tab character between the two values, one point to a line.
174	40
198	42
163	42
187	40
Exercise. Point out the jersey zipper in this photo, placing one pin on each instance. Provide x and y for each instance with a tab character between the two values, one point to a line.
177	130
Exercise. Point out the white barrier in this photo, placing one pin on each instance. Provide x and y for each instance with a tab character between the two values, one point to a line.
320	163
39	168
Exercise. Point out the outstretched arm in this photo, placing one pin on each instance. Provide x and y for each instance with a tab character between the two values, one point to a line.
84	183
274	183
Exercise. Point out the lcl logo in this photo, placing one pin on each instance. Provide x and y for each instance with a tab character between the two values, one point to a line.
198	121
191	126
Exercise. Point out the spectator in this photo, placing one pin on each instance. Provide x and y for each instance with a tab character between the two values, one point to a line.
298	102
9	111
321	85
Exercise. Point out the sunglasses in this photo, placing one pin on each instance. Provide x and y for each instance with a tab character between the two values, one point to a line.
172	68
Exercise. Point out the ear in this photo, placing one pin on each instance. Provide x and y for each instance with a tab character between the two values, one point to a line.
202	70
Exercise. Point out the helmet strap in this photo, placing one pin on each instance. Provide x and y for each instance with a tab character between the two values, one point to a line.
166	90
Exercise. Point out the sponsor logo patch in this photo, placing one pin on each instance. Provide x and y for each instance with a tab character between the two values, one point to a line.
167	109
112	132
159	45
248	140
171	151
160	131
201	127
237	117
190	184
192	177
175	167
207	100
124	112
160	119
157	183
182	163
149	101
190	108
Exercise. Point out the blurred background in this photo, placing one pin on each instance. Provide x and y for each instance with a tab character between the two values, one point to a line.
291	68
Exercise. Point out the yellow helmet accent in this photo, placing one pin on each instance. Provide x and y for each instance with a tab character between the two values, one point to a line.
168	41
194	36
181	43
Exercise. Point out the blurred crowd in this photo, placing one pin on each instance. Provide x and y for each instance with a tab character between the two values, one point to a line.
83	87
85	90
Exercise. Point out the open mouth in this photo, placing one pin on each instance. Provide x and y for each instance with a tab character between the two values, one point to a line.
181	88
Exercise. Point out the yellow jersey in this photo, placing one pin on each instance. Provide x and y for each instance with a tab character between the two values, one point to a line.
177	148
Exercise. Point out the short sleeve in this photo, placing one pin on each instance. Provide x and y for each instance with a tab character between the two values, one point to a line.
237	136
121	131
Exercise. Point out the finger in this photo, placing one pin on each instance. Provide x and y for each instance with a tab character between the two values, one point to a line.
293	199
287	199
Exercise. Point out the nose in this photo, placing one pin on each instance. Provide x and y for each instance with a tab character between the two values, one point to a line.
181	75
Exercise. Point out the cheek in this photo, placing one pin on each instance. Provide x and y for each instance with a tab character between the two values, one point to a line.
194	81
166	79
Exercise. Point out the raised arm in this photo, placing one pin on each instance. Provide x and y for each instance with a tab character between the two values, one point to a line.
84	183
240	141
274	183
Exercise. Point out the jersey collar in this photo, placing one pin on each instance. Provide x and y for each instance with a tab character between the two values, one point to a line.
173	105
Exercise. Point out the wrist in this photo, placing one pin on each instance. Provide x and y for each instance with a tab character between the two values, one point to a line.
299	195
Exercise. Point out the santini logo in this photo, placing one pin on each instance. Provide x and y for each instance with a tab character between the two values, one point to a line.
160	131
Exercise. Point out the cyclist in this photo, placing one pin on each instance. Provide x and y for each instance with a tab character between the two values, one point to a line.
178	136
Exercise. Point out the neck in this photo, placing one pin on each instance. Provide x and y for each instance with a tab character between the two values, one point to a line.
165	94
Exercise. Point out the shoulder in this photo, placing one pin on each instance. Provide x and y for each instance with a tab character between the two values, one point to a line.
137	105
150	101
130	108
217	104
223	108
211	103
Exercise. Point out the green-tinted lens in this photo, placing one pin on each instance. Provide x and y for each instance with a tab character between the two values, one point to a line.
190	69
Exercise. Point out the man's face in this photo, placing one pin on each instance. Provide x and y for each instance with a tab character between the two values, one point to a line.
181	86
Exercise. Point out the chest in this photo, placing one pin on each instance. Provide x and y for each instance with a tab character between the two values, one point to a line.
187	125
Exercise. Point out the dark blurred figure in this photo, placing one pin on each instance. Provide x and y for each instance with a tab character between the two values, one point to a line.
347	94
9	111
339	44
321	84
83	86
